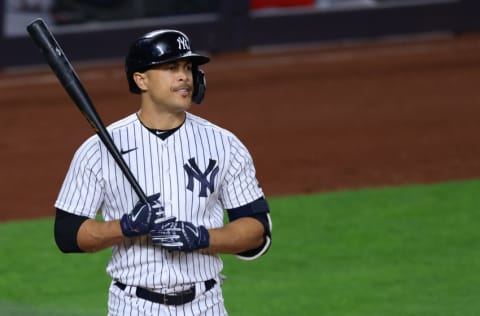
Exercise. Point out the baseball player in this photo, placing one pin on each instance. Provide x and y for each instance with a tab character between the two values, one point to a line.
165	252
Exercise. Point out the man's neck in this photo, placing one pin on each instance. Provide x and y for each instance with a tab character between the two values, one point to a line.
161	121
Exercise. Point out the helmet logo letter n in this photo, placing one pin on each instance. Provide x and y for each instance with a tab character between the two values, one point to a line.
183	43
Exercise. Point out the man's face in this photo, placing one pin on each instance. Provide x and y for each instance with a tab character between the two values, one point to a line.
170	86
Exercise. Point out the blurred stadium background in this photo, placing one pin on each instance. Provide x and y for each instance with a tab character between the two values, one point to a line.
224	25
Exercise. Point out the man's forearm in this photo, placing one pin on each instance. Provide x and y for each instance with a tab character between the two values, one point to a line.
237	236
94	236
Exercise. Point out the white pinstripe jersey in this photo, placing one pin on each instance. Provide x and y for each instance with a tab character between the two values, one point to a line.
215	156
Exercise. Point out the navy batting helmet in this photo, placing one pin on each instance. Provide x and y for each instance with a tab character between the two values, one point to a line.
163	46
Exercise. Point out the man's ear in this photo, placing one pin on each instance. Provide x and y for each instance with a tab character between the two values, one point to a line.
140	79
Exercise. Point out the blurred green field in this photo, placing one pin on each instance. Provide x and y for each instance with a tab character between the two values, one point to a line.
387	251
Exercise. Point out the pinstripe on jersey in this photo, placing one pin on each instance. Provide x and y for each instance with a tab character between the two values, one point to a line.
94	182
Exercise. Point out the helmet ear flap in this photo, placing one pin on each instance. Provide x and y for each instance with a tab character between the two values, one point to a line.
199	85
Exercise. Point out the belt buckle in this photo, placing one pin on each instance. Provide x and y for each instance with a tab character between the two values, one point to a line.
179	298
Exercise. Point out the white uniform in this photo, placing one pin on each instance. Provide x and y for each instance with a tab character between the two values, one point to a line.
199	170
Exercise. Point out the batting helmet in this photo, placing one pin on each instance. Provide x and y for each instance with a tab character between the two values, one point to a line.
163	46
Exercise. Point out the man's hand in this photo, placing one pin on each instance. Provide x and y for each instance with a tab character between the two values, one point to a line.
141	219
182	236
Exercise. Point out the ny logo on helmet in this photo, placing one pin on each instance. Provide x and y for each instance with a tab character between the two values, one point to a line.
183	43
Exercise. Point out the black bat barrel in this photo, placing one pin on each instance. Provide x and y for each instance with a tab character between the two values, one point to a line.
59	63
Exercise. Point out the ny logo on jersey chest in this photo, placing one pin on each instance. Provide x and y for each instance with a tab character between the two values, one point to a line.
206	178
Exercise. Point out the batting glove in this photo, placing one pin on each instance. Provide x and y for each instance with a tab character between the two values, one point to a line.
162	223
182	236
140	220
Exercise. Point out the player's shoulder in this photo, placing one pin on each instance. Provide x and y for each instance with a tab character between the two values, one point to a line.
200	122
227	136
94	143
125	122
90	145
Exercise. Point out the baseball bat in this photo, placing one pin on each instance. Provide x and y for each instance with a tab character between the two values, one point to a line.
61	66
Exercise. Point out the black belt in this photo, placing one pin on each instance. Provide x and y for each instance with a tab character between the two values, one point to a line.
179	298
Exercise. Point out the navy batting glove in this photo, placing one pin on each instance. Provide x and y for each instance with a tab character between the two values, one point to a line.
162	223
140	220
182	236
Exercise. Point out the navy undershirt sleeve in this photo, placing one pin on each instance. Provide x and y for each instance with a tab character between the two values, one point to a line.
65	230
259	210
